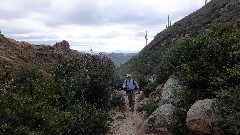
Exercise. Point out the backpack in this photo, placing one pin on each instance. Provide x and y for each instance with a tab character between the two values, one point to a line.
133	84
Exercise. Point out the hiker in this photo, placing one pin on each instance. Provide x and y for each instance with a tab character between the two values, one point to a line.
152	79
131	86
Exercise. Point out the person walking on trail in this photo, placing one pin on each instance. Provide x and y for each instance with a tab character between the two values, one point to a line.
131	86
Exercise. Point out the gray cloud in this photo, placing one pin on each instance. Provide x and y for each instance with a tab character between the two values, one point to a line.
51	42
98	21
11	9
82	13
90	14
32	36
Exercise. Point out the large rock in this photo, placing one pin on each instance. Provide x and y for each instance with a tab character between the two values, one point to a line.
173	92
162	119
202	118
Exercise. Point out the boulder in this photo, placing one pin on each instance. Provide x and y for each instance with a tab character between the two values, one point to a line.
162	119
173	92
203	118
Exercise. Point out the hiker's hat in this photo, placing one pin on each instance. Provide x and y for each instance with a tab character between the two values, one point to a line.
128	75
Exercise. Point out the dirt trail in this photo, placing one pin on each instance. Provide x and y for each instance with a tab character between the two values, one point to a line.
127	122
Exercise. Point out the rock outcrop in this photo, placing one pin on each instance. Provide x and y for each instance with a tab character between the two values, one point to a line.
62	46
202	118
162	119
173	92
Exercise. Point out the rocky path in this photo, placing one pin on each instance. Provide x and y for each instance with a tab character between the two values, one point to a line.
127	122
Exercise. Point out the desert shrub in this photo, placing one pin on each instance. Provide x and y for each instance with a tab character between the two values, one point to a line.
149	88
229	100
4	77
118	81
150	106
25	78
34	104
91	79
142	81
25	108
195	59
88	120
117	99
208	63
26	115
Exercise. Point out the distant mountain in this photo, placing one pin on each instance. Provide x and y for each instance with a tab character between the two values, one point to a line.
126	51
115	51
119	58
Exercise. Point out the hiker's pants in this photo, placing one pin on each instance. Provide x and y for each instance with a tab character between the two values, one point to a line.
131	98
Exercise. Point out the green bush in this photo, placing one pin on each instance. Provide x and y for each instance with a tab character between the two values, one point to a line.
25	79
229	100
117	99
90	78
25	115
208	64
149	88
4	77
25	107
88	120
150	106
142	81
195	59
60	104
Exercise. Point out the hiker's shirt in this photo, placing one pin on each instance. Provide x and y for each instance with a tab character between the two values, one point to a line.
130	85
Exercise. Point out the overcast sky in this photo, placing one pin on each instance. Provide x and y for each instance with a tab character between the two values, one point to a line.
101	25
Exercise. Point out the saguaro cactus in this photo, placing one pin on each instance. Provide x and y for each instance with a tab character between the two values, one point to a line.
169	22
146	38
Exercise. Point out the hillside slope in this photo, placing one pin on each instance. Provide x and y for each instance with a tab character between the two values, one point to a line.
14	53
203	51
216	11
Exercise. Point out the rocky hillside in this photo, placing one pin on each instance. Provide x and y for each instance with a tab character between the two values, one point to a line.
14	53
216	11
198	61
